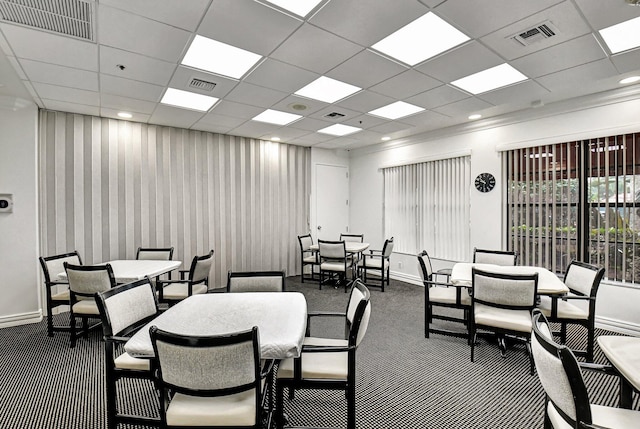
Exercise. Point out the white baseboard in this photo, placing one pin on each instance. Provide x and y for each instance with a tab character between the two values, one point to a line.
407	278
619	326
20	319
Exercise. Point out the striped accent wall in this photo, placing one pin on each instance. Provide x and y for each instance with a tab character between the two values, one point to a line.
109	186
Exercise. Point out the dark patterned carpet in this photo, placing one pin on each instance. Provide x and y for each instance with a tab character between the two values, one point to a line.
404	380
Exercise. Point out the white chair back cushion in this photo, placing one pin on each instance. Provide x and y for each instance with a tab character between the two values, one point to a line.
306	242
56	266
203	269
332	250
88	282
364	324
504	291
130	306
255	284
426	270
552	375
505	259
354	300
580	279
388	248
156	255
203	368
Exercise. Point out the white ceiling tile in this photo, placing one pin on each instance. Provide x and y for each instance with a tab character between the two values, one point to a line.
578	51
213	118
254	129
603	14
247	25
463	108
280	76
488	15
310	124
352	19
389	127
285	133
462	61
627	61
566	19
130	88
59	75
137	67
182	14
519	93
107	112
70	95
311	139
17	67
306	48
254	95
238	110
406	85
64	106
378	69
425	119
436	97
174	117
134	33
287	105
211	128
183	76
577	77
366	121
120	103
51	48
365	101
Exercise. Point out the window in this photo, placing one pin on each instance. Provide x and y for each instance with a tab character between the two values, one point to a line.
577	200
426	206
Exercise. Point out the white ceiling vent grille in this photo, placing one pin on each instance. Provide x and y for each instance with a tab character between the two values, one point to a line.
536	34
68	17
202	85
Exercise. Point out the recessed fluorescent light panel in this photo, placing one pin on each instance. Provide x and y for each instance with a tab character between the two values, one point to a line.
217	57
339	130
623	36
630	79
125	115
421	39
299	7
276	117
188	100
327	90
396	110
486	80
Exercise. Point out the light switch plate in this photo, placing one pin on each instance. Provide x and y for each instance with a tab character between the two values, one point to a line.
6	203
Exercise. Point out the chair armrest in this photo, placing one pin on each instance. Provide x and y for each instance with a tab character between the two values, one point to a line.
372	251
325	313
58	282
163	282
577	297
596	367
443	284
267	367
325	349
183	274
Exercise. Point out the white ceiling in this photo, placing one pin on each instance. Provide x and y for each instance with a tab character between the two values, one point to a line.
150	37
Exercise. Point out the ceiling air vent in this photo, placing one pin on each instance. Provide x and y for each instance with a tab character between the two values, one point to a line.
334	115
536	34
202	85
67	17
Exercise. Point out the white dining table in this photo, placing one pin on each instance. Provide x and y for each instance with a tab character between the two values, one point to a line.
130	270
548	282
281	318
350	247
623	352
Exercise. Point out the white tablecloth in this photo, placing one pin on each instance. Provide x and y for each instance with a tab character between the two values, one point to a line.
623	353
548	282
126	271
281	318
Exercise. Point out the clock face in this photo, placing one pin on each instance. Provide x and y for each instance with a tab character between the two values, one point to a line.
485	182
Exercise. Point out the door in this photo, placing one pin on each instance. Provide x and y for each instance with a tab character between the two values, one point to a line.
332	201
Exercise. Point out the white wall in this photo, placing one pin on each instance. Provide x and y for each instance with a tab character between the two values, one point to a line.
617	306
20	282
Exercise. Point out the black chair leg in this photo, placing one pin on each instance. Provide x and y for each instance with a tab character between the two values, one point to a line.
72	330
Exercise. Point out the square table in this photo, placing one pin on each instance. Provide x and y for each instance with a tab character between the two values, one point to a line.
548	282
350	247
281	318
624	354
130	270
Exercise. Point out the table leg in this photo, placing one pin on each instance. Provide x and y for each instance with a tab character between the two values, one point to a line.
626	394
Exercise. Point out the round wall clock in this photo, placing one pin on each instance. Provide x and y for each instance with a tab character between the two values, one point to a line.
485	182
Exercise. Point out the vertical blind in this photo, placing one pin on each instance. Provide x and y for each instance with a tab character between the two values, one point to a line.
426	206
109	186
577	200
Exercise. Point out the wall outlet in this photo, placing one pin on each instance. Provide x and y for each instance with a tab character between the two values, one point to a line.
6	203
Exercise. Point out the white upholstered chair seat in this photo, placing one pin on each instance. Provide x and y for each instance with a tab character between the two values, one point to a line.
231	410
609	417
86	306
447	295
179	291
334	266
375	263
61	296
126	361
310	259
319	365
566	310
515	320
